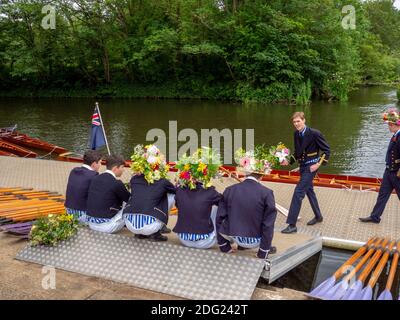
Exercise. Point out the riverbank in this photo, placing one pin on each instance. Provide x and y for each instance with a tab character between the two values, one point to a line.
171	90
168	90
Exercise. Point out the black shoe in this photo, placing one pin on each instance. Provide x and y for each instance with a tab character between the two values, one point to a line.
158	237
141	236
165	230
290	229
315	221
368	219
272	250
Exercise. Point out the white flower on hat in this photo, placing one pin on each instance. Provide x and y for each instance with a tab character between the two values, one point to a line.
152	159
153	150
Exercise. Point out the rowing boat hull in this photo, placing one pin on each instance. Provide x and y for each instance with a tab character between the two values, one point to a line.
323	180
24	140
16	149
7	154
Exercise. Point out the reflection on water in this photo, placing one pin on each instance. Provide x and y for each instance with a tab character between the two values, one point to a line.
357	136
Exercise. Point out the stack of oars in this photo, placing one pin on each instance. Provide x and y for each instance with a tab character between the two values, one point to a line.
19	207
376	253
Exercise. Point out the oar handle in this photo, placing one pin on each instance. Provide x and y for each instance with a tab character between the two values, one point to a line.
342	269
373	262
375	275
393	268
364	259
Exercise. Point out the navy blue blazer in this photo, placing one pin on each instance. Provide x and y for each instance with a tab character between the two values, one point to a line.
78	188
393	154
106	196
309	147
150	199
247	210
195	209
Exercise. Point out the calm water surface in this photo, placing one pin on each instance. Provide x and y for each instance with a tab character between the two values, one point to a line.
354	129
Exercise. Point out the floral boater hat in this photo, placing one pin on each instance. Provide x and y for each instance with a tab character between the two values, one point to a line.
392	116
262	160
150	162
200	167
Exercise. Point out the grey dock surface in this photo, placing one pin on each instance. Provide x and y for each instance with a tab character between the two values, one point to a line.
341	209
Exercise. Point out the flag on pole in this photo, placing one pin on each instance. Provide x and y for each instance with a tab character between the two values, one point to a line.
97	137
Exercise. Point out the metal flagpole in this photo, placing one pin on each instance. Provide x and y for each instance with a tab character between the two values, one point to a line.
102	125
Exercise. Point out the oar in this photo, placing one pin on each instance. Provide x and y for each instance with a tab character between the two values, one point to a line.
280	208
330	282
386	294
337	292
366	293
353	293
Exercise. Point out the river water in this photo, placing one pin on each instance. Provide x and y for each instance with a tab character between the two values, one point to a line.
354	129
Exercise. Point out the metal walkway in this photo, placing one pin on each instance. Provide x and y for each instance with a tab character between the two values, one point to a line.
161	267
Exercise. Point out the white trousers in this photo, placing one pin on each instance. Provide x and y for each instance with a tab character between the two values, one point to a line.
114	225
206	243
240	243
154	227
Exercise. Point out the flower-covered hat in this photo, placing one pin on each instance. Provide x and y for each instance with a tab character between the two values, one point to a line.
247	163
262	160
150	162
200	167
392	116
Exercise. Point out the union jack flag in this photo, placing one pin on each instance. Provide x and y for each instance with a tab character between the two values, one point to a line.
96	118
97	138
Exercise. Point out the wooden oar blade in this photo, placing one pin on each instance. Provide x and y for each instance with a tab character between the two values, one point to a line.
323	288
385	295
353	293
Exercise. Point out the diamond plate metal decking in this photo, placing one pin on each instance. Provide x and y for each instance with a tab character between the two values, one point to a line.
161	267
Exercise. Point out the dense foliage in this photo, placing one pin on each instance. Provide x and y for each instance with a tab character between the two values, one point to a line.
248	50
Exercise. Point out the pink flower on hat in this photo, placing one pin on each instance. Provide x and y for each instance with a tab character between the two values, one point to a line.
244	162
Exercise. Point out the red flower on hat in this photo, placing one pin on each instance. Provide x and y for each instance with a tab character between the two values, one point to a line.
185	175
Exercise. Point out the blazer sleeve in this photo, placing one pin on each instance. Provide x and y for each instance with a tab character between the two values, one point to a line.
323	146
268	224
224	245
169	187
121	191
216	198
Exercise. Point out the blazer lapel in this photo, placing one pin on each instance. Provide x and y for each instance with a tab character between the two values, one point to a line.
306	140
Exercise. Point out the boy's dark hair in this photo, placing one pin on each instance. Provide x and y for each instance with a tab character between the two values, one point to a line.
91	156
114	161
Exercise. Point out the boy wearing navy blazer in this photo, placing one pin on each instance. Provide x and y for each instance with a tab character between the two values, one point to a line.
106	199
78	185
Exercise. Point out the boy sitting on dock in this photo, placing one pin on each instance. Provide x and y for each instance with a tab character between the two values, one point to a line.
197	201
78	185
146	214
247	213
106	198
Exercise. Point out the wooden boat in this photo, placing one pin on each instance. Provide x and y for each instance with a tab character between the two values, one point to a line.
321	180
6	146
7	154
70	157
284	176
24	140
